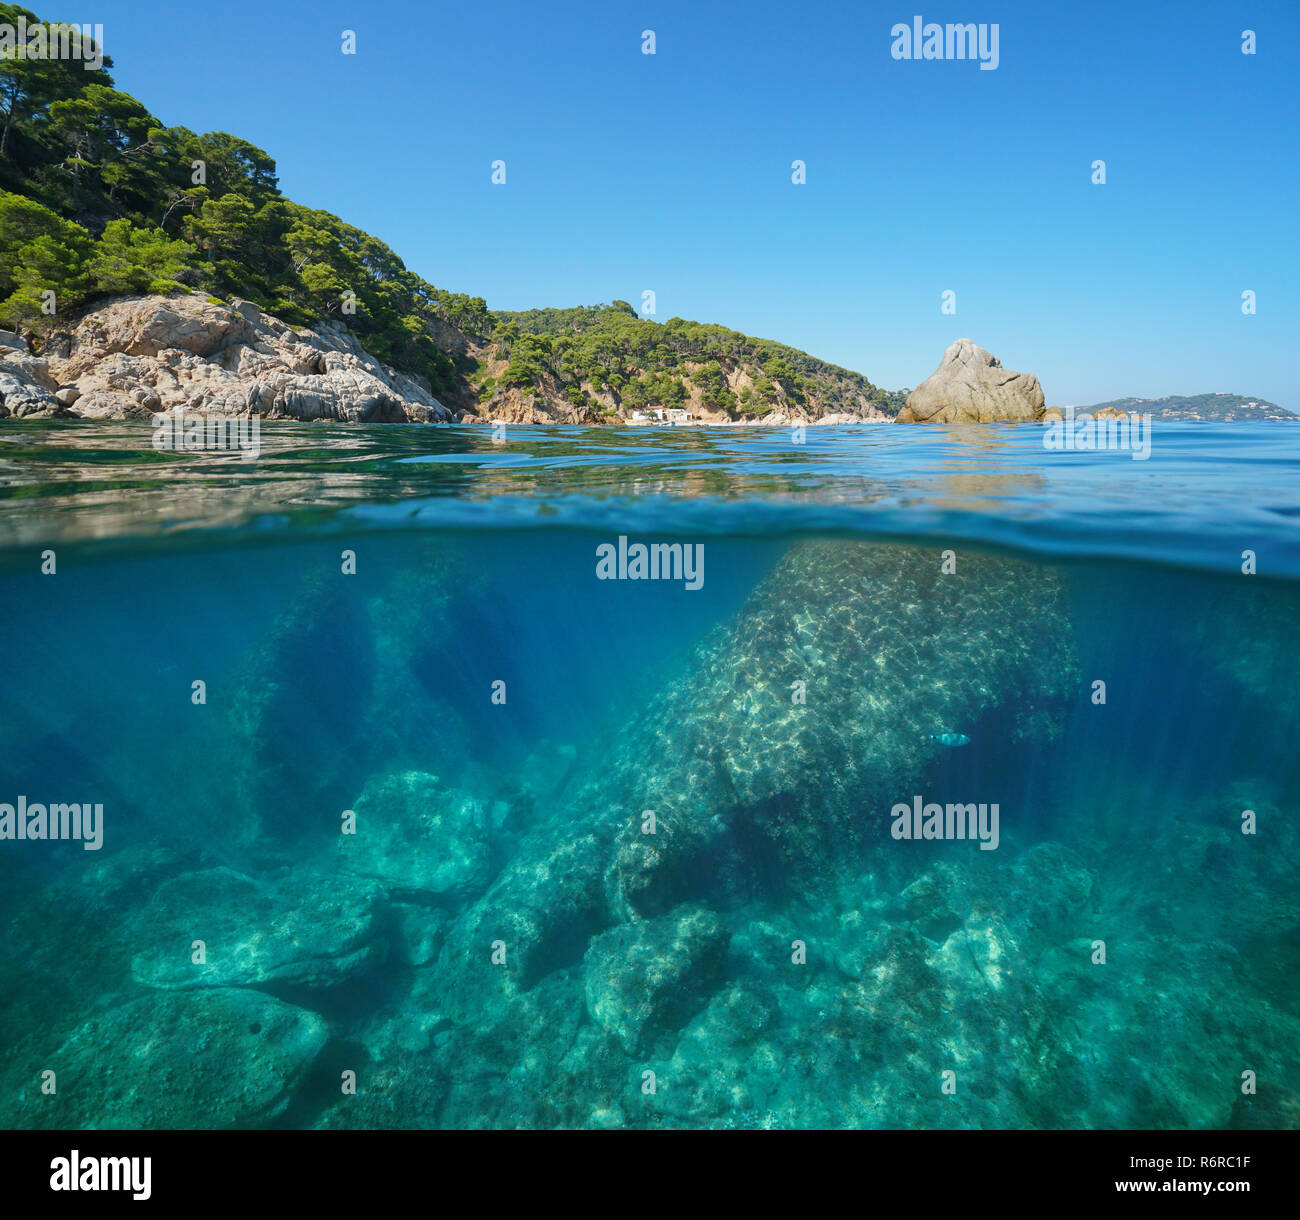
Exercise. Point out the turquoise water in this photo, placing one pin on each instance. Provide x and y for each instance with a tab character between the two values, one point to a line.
628	853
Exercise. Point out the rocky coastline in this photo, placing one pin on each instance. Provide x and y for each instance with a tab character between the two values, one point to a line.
136	357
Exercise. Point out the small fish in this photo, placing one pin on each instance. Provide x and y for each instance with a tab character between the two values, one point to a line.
949	739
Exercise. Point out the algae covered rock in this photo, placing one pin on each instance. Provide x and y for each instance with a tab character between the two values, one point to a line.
1053	890
1274	1109
305	679
211	1059
723	1067
648	978
416	834
778	755
538	916
308	931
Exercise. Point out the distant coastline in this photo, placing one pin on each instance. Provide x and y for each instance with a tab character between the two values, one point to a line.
1217	405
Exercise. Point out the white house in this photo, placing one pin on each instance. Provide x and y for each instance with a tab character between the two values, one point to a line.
660	415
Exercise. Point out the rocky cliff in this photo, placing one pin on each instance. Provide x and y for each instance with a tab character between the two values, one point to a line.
139	355
135	356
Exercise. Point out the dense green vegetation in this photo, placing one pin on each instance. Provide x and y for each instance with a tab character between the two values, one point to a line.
645	363
99	198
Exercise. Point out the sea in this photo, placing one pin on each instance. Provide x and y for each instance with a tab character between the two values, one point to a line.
413	776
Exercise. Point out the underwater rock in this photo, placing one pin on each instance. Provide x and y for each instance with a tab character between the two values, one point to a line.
646	979
349	684
1182	1051
935	902
417	603
212	1059
420	929
1219	884
310	931
777	756
722	1065
123	879
305	680
1259	655
64	949
543	910
538	1050
968	1005
404	1092
1045	892
547	770
1051	891
414	833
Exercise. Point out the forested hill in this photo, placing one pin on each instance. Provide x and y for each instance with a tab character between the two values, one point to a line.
99	198
609	357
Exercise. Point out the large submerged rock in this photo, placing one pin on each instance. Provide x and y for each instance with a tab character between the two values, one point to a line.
414	833
653	975
757	796
210	1060
139	355
971	386
286	694
307	931
778	758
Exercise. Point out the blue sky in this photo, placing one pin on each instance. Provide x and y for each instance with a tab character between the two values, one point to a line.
671	172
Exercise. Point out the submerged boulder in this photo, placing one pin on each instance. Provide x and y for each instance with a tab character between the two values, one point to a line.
648	978
296	743
537	918
769	763
971	386
212	1059
308	931
778	756
414	833
346	687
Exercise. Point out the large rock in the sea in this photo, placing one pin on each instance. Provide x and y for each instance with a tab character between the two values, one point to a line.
971	386
211	1060
306	931
138	355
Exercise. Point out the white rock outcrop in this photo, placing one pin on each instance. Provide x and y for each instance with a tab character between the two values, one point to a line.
138	355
